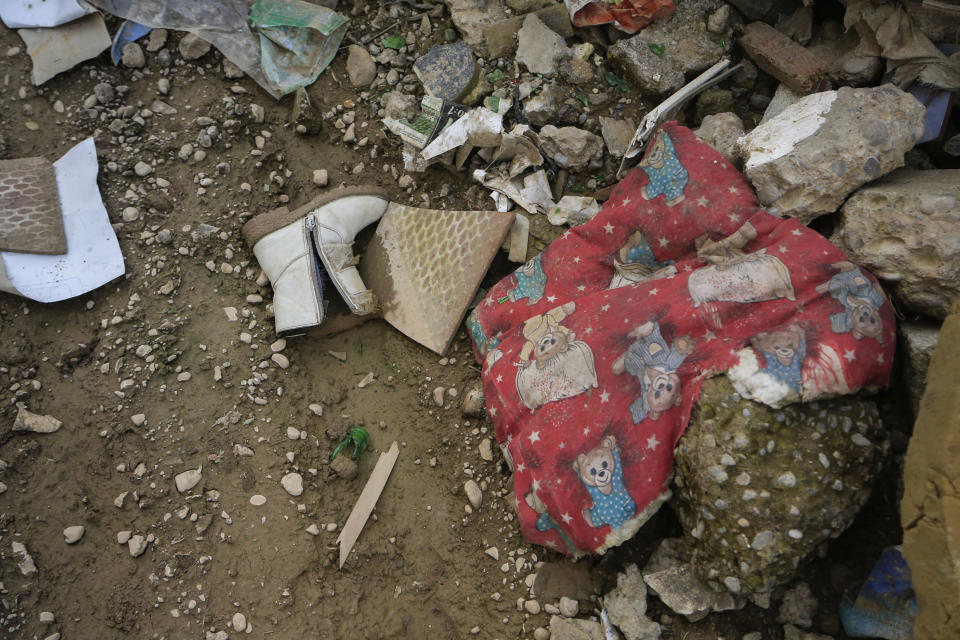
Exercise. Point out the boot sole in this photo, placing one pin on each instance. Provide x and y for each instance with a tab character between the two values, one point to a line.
266	223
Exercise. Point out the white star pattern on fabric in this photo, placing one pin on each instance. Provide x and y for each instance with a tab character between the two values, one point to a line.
880	359
734	217
604	397
782	249
625	202
551	298
536	485
576	259
534	436
797	232
608	228
589	330
652	443
849	355
605	307
663	242
702	202
581	287
493	411
563	445
499	378
654	291
566	518
520	467
489	301
586	431
733	189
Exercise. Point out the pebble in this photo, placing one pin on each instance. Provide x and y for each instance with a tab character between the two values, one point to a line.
293	433
532	607
292	484
183	377
344	467
192	47
569	607
320	177
73	534
231	313
474	495
278	346
138	419
258	500
35	423
254	298
137	545
239	621
316	409
123	536
541	633
313	530
493	552
104	92
47	617
133	56
486	450
188	480
163	86
331	527
142	169
438	396
367	380
24	560
156	40
281	360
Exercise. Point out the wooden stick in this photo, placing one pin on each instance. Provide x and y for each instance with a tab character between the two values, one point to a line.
367	501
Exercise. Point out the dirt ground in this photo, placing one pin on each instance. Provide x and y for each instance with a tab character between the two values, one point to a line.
420	568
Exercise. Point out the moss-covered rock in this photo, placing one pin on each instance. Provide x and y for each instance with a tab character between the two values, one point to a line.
758	489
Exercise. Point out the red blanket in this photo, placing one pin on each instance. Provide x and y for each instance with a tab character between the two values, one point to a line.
593	352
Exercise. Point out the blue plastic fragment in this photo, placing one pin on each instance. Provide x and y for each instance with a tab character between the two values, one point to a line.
886	605
128	32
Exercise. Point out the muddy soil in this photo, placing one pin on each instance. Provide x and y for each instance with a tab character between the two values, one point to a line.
423	566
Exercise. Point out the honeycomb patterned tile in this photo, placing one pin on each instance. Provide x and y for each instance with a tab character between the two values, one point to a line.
30	217
426	265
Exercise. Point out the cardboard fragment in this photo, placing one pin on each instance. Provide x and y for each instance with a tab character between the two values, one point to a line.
425	267
367	501
57	49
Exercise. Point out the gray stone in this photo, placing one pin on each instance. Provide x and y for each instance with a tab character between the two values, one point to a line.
952	146
397	105
188	480
73	534
193	47
627	607
472	17
104	92
304	115
132	56
474	495
448	71
785	502
905	228
714	100
548	107
344	467
722	131
539	48
617	134
569	607
35	423
361	67
687	48
805	161
798	606
292	483
572	148
23	559
137	545
918	344
847	64
574	629
156	40
501	38
680	589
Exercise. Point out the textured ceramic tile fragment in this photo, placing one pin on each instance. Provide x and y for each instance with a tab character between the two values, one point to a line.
426	266
30	217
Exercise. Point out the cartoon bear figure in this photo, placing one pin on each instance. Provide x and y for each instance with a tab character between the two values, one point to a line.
655	364
531	282
562	366
667	176
483	342
861	299
726	249
784	352
545	521
601	473
635	263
